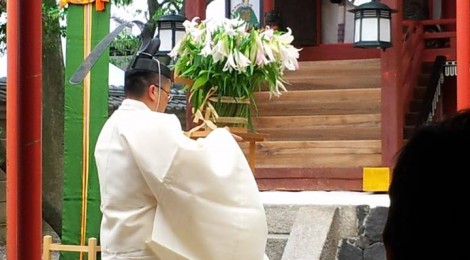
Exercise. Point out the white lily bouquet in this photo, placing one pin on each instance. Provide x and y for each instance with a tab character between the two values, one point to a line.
228	60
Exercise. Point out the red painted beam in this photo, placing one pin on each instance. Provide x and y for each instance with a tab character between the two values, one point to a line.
268	5
392	95
24	106
196	8
193	8
463	54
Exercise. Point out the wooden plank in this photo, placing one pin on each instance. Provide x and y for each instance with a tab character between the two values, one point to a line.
316	147
316	121
309	184
439	35
316	154
310	173
317	160
312	133
303	109
322	96
313	154
319	71
327	127
327	82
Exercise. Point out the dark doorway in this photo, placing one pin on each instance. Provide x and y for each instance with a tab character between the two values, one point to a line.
301	17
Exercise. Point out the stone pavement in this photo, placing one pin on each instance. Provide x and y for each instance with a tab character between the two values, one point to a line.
322	225
317	225
325	198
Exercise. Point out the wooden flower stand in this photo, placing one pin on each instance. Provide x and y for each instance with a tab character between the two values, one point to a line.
91	249
252	138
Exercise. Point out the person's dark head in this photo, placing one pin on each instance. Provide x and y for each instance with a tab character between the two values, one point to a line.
427	195
149	87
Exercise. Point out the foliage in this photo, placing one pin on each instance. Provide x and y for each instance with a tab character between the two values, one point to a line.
224	59
52	27
124	45
3	25
51	15
127	44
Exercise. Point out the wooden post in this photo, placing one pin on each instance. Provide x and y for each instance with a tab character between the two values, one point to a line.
92	248
46	248
463	54
392	95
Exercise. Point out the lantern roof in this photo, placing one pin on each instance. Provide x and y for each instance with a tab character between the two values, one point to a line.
373	5
172	18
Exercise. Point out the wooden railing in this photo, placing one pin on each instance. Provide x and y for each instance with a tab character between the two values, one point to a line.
445	39
433	93
423	41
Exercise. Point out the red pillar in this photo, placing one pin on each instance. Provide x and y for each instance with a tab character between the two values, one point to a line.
392	110
194	8
463	54
24	159
268	5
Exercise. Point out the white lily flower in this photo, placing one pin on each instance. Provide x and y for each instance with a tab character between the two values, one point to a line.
191	24
261	59
230	64
268	51
286	38
234	51
289	56
267	34
279	85
207	50
241	60
219	52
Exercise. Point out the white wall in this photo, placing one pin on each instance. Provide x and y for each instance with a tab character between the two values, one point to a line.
330	16
216	10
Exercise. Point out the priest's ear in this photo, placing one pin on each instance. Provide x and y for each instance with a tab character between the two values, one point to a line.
152	92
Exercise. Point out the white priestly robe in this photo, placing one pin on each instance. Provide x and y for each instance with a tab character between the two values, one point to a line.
209	206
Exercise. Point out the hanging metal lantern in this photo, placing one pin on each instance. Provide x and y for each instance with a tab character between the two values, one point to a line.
372	25
170	31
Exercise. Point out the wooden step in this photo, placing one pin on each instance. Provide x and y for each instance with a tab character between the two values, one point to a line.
333	82
342	68
319	102
319	178
320	127
335	74
411	118
313	154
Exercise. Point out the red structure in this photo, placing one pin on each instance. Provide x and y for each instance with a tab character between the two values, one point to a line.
463	54
439	28
24	106
399	67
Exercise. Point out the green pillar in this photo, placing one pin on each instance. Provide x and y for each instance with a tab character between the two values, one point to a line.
86	110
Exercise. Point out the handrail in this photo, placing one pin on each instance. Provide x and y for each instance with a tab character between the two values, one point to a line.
433	90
